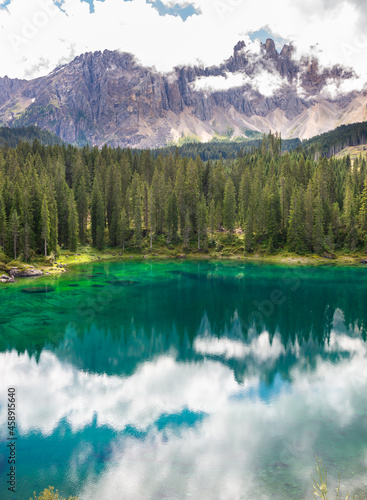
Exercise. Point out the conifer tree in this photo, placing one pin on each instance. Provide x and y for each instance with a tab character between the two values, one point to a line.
329	239
249	233
3	223
53	242
138	233
309	217
202	223
349	216
211	219
14	230
116	196
97	215
244	197
82	204
273	213
26	219
172	215
363	216
295	235
187	230
123	229
45	223
73	223
229	206
318	229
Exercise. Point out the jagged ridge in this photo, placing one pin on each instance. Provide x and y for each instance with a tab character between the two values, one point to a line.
108	97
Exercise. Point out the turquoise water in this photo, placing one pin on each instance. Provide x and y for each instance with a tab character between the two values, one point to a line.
184	380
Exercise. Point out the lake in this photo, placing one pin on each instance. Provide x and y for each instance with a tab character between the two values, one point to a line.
175	380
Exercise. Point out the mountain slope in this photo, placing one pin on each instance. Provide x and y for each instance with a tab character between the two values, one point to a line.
109	98
11	136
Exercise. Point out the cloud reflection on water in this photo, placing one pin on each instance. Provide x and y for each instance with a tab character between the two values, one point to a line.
241	443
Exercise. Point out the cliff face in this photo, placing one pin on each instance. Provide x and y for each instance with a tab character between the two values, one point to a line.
107	97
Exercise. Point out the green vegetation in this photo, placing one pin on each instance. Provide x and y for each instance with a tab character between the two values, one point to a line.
320	485
50	494
222	148
57	198
331	143
11	136
353	152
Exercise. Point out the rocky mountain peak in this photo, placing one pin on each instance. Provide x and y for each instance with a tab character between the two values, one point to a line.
108	97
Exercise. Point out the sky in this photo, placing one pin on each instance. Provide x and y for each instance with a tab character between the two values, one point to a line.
36	36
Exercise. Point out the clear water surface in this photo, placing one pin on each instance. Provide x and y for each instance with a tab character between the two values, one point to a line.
166	380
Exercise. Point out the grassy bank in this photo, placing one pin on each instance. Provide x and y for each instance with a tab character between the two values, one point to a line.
224	247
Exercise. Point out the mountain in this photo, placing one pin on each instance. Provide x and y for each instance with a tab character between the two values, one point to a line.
108	97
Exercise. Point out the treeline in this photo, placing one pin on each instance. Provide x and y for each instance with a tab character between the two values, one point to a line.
11	136
331	143
215	150
58	196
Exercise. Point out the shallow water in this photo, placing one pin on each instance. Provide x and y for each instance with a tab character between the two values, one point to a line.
174	380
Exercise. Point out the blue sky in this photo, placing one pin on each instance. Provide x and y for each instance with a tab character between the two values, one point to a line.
175	9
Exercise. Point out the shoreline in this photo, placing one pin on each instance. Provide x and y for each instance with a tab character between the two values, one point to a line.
89	255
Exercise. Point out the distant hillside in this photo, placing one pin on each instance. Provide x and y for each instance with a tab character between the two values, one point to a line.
213	150
11	136
332	143
353	152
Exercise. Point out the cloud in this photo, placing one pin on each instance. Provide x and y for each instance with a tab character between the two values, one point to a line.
240	440
35	30
260	348
263	81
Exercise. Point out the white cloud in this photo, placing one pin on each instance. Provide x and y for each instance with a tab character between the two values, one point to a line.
263	81
31	32
260	348
223	454
335	88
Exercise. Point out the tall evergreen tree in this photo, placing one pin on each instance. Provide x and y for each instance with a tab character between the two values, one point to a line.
97	215
318	229
73	223
349	216
3	223
202	223
172	215
123	229
138	233
14	230
229	206
45	223
295	236
82	204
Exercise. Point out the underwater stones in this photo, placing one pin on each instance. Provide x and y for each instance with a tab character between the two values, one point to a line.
122	283
38	289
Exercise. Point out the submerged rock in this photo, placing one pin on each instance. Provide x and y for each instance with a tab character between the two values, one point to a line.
122	282
38	289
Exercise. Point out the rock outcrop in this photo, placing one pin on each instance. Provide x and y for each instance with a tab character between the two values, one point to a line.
108	97
4	278
30	271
